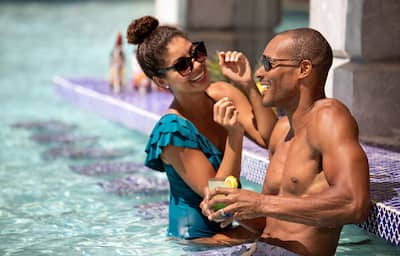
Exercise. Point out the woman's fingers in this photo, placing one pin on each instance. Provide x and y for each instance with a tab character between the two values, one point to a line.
204	205
226	114
234	118
222	109
229	113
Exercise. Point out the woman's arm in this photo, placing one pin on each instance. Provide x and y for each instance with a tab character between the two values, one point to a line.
193	166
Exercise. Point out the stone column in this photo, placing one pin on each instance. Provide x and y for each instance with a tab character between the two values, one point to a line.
365	37
171	12
233	24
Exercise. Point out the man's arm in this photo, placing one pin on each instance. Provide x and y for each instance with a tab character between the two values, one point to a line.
236	67
335	134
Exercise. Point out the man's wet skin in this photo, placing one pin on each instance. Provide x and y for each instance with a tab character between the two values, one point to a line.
317	179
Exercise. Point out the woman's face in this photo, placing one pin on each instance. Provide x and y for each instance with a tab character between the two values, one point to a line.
194	80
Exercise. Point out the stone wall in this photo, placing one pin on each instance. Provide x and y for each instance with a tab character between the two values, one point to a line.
365	38
246	26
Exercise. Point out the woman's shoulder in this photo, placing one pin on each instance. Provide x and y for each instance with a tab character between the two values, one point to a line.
172	122
170	116
173	130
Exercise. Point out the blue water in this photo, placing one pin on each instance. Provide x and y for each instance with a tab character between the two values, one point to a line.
46	208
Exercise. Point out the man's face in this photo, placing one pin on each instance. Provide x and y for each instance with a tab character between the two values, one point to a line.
279	80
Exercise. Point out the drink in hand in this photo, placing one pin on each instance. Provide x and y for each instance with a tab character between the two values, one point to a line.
228	182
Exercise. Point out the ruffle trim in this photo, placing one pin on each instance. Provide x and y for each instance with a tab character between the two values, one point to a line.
174	130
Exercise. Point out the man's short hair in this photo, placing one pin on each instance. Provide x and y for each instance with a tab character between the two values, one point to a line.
312	45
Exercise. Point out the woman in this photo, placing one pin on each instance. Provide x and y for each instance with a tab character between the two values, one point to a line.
201	135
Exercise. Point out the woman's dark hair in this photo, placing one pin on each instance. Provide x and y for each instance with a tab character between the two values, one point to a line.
152	41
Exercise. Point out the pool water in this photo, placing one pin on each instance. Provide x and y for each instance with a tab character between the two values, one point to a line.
72	183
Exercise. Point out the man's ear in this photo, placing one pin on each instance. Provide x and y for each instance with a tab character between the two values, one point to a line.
160	82
305	68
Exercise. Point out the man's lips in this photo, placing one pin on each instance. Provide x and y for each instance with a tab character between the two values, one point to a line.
265	86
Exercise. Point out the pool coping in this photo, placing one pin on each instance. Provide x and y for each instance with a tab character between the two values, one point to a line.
136	110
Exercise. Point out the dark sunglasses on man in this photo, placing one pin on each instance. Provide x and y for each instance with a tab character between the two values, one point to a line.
267	62
184	65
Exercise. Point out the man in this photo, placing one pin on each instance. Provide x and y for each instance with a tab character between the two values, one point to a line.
317	179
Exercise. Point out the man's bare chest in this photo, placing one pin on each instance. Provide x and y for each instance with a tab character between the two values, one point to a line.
294	168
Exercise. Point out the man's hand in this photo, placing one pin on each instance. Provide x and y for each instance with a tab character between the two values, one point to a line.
240	204
236	67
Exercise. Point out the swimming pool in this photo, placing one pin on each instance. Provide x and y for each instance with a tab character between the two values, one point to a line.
53	201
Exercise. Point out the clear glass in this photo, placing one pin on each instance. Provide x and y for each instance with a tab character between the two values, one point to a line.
215	183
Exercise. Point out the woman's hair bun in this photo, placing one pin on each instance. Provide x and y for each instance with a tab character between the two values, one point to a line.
141	28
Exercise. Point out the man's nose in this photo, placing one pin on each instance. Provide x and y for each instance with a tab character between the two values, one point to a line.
259	74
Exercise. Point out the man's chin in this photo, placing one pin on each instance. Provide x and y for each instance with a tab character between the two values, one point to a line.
268	104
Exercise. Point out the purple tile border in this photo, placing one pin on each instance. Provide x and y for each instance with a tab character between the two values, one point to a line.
140	111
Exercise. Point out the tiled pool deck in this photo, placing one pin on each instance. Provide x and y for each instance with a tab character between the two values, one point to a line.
140	111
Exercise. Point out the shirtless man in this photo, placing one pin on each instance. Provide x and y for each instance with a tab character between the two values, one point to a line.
317	179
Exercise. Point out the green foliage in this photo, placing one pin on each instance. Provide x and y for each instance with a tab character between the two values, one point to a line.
214	71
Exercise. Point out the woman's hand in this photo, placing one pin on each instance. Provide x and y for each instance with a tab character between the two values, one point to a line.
226	114
240	205
208	211
205	209
235	66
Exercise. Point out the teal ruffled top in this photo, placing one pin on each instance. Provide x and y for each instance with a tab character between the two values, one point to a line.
185	218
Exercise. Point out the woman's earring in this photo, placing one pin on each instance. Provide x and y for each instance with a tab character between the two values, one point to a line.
167	87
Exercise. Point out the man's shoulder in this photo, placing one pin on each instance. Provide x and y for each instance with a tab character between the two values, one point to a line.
329	108
328	104
331	118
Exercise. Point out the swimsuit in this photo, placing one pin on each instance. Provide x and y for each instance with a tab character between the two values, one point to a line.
263	248
185	218
250	249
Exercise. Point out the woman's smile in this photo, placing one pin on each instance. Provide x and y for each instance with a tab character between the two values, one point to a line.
200	77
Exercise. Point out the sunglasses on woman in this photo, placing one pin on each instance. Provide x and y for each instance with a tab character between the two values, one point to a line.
267	62
184	65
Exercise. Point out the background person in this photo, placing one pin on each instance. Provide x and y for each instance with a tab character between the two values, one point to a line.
200	136
317	179
116	78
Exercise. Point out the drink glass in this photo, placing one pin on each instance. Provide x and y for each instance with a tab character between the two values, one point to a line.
215	183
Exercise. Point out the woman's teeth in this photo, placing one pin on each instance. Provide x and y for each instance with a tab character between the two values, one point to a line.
198	77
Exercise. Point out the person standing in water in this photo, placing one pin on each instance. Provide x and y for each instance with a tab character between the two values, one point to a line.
201	134
318	176
117	66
